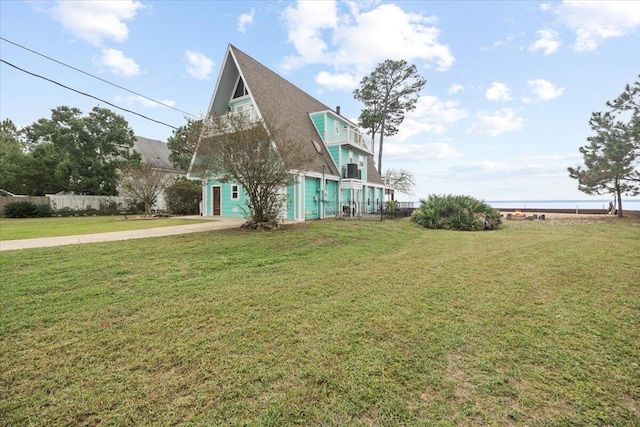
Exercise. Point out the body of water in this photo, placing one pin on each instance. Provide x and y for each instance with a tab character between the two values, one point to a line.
627	204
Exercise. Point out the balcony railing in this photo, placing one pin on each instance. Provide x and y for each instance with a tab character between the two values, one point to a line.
348	135
250	112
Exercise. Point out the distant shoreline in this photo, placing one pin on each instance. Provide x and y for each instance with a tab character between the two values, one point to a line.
626	213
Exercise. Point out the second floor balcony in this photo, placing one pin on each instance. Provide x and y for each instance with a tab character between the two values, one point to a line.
348	136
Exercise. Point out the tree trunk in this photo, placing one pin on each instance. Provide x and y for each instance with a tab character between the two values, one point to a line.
380	148
373	140
619	201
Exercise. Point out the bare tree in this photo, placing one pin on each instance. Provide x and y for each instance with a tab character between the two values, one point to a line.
144	184
400	180
263	161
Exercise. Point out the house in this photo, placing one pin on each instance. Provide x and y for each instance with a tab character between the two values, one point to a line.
156	153
341	181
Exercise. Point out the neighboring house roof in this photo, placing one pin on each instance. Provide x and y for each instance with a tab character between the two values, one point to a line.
155	153
372	173
281	104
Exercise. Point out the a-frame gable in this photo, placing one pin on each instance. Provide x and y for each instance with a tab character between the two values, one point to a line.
281	104
226	85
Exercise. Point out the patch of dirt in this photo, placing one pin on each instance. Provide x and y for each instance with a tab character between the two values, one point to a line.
568	218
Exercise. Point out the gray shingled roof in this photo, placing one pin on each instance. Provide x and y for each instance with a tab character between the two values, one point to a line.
283	104
155	153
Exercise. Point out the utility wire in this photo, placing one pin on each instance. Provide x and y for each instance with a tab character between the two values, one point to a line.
96	77
86	94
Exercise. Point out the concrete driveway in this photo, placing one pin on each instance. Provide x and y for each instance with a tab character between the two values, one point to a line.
218	223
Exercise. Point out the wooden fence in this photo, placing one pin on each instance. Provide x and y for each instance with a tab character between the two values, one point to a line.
72	202
80	202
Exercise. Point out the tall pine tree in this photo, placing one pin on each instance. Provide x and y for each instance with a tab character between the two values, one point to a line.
612	158
388	93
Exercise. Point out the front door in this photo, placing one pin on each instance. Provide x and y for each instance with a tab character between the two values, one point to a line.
215	200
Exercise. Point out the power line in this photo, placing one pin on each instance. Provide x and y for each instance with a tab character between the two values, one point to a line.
86	94
96	77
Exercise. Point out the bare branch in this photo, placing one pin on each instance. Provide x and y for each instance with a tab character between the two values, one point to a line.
144	184
261	160
400	180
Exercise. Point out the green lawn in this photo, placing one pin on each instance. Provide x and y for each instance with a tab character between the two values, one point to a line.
327	323
27	228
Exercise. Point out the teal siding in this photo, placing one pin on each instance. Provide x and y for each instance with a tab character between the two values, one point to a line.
239	101
363	158
331	200
345	155
372	207
345	160
228	207
311	198
331	123
346	196
290	203
231	207
334	150
319	121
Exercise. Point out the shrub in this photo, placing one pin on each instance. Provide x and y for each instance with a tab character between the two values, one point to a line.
183	197
109	207
456	213
390	208
43	211
26	210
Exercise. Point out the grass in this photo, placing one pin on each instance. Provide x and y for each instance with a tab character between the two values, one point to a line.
27	228
327	323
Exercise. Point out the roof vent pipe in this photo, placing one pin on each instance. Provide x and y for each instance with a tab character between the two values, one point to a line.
338	110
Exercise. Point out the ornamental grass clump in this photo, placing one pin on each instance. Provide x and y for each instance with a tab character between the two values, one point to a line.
456	213
26	210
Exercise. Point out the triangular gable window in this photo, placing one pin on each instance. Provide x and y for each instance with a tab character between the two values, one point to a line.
241	90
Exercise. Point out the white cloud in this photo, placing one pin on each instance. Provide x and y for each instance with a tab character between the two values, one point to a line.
538	166
245	19
596	21
135	99
352	40
545	6
118	63
544	90
455	88
547	42
305	23
496	123
420	152
431	115
95	21
200	66
498	92
337	81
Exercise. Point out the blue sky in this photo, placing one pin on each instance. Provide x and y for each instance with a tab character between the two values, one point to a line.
510	85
